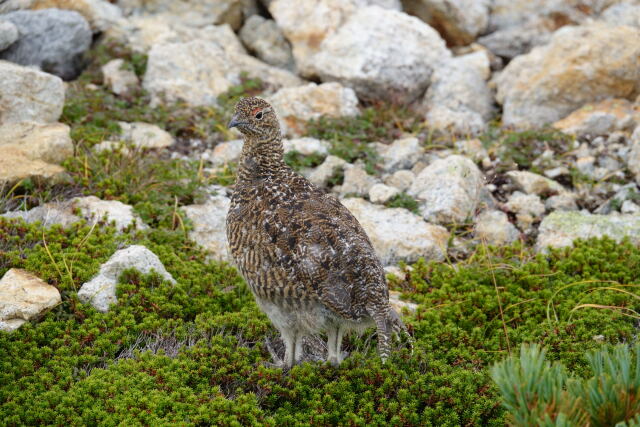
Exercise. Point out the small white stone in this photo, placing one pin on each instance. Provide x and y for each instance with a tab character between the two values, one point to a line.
532	183
628	207
586	165
494	227
321	175
564	202
100	291
448	190
145	135
8	34
472	148
401	179
380	193
400	154
306	146
209	225
226	152
119	80
356	181
399	305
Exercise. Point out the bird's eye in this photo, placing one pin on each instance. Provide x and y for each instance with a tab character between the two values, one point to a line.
259	115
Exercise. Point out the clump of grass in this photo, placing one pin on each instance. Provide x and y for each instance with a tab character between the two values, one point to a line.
350	136
403	200
298	161
153	186
519	149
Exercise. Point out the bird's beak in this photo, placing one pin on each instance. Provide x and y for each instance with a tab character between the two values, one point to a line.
234	122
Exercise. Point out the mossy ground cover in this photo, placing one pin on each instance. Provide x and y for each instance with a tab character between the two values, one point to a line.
197	352
208	361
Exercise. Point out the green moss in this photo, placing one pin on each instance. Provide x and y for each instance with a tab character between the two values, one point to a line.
298	161
403	200
195	353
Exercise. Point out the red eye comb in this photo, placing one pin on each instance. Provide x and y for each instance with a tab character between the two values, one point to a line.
256	110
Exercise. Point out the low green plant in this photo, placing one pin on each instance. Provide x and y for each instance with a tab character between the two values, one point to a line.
403	200
350	136
538	392
154	186
197	352
520	149
298	161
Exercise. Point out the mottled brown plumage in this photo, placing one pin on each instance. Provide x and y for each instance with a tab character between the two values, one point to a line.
307	260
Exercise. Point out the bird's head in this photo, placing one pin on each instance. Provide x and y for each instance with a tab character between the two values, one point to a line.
254	117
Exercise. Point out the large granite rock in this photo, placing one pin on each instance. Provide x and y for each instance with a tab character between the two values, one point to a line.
263	37
580	65
53	40
100	14
29	149
197	72
601	118
27	94
366	55
295	106
458	100
196	13
397	234
308	24
143	32
458	21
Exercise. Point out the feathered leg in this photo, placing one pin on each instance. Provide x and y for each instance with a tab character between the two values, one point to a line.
334	345
299	353
289	339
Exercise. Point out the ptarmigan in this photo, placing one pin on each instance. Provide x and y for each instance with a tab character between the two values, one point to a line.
307	260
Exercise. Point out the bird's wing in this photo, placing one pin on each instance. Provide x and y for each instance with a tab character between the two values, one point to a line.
332	255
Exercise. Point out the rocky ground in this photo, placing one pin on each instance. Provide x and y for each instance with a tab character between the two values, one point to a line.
461	134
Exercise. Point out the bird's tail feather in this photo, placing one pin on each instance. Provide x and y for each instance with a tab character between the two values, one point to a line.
388	324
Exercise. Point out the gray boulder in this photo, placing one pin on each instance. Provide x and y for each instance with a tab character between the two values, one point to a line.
264	38
51	39
382	54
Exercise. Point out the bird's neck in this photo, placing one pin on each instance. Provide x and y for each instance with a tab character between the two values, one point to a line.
261	158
